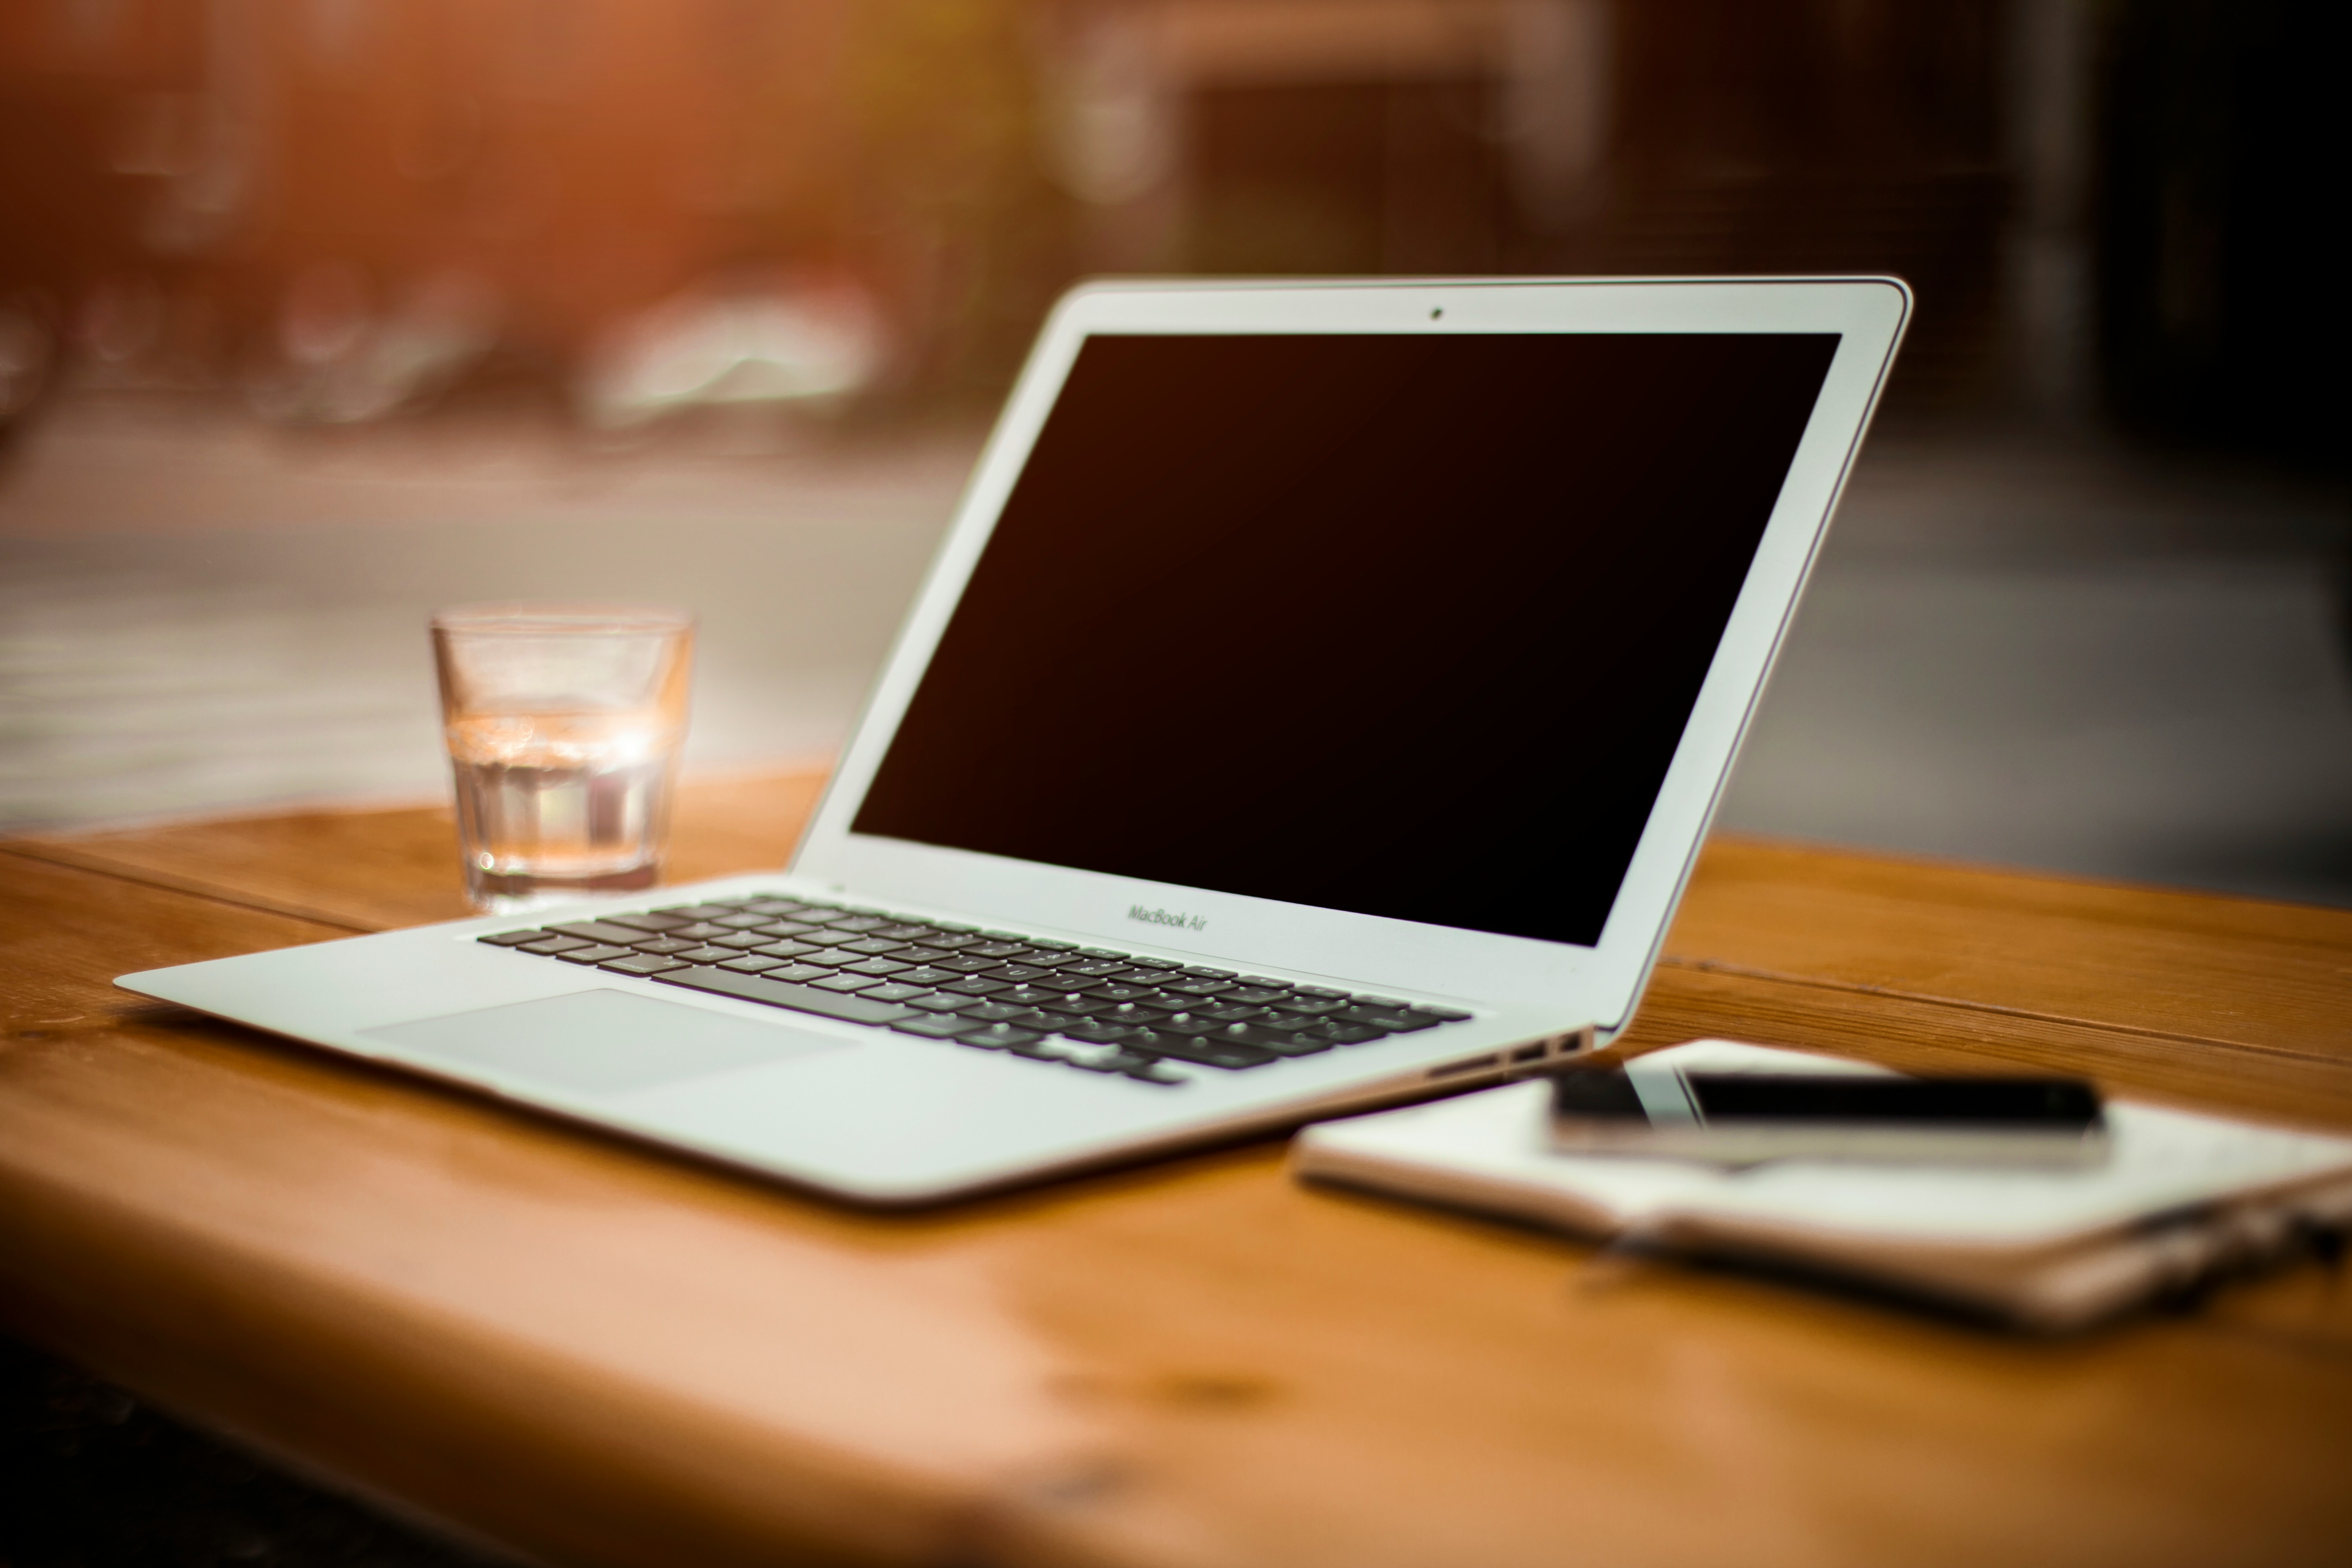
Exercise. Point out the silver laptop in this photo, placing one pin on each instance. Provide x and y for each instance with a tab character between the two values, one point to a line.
1318	701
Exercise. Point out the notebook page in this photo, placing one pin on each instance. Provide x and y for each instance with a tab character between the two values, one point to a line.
2161	1160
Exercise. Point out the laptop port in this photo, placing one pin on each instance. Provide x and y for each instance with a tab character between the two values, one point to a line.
1473	1065
1529	1054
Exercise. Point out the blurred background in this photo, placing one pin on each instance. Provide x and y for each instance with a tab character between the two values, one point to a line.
316	314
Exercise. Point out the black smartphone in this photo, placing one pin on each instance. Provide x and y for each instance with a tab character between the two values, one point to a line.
1737	1117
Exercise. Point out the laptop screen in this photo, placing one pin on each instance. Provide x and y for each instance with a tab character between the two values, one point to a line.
1402	625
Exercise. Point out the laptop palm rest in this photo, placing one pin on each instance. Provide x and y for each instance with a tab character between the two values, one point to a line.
603	1042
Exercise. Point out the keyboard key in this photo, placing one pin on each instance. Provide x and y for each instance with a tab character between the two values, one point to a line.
554	944
700	931
1101	1034
652	925
1113	990
1153	964
1143	1069
929	975
662	946
1197	973
903	930
1103	953
968	965
1388	1023
706	955
1201	987
844	982
992	1012
1347	1034
740	923
512	938
1094	968
1030	996
934	1026
998	1036
796	974
697	912
777	908
878	967
1133	976
1443	1015
872	945
859	924
916	952
1231	1056
831	939
973	985
788	948
1281	1042
1227	1011
750	964
1323	991
593	954
892	991
742	942
1304	1003
938	1002
1255	995
787	928
1145	1013
1018	974
645	963
953	942
999	950
1053	946
827	958
767	988
597	931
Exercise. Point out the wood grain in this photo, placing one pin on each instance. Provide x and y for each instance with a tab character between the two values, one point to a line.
375	869
1943	1037
604	1355
463	1307
2274	978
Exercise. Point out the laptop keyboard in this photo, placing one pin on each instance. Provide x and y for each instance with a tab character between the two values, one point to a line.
1089	1007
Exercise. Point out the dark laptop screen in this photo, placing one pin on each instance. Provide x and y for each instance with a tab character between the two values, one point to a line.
1403	626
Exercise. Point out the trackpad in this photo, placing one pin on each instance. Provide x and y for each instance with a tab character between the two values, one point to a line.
604	1041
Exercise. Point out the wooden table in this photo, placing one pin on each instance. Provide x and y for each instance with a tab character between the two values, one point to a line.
601	1355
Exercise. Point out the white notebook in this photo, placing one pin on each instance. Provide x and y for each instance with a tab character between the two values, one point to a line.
2181	1198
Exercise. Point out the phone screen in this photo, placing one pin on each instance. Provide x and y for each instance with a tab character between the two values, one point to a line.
1955	1101
1753	1100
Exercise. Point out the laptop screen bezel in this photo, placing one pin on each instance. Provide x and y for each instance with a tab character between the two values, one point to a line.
1586	985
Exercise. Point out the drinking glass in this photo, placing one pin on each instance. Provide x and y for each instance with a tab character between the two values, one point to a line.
564	724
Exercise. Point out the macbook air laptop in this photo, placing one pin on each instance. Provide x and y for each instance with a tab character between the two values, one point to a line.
1318	700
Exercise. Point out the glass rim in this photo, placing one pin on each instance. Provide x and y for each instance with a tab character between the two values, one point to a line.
576	617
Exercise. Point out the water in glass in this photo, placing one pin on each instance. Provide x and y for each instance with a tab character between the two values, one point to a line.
552	807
